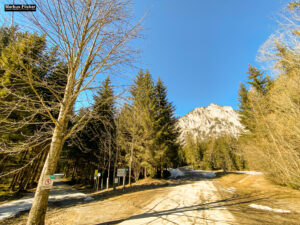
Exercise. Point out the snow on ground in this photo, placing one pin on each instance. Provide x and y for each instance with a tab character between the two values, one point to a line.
209	175
206	173
58	193
176	173
262	207
250	172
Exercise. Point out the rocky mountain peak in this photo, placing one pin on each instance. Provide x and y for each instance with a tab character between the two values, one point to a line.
210	121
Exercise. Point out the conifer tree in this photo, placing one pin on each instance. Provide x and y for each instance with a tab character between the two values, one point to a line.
105	122
96	140
22	119
245	109
143	102
258	81
166	133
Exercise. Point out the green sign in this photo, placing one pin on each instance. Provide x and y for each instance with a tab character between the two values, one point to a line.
52	177
126	169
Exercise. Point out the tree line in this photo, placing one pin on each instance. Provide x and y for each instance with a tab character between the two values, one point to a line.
270	104
25	129
213	153
140	135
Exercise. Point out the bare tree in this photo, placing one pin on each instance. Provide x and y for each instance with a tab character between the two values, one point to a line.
92	37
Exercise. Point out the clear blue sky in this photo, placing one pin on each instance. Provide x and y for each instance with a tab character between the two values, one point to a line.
201	48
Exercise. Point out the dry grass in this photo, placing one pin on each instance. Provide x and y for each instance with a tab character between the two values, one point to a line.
255	189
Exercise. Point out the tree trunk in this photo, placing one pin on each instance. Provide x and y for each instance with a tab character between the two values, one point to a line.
39	207
130	163
102	177
109	158
115	167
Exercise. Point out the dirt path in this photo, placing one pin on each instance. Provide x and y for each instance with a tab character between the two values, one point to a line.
189	199
195	203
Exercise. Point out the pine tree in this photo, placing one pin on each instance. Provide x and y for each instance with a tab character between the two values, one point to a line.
258	80
245	109
19	104
104	122
96	141
143	102
166	133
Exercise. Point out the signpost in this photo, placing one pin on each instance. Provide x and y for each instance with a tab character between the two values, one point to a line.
48	182
122	173
98	178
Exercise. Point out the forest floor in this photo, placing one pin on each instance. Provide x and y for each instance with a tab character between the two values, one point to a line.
192	199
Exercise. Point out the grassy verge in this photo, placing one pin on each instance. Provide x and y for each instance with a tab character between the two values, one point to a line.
255	189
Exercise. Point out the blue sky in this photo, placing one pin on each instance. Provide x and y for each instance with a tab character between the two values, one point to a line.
201	48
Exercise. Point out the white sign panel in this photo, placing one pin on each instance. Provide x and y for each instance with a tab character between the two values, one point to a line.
121	173
47	182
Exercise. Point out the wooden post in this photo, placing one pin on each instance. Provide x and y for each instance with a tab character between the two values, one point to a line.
124	181
98	178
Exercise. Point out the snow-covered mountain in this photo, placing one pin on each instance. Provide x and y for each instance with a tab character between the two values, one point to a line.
211	121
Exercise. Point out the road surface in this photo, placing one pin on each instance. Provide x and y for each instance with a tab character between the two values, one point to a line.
196	201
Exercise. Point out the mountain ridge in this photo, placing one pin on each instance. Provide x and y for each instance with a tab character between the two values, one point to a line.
211	121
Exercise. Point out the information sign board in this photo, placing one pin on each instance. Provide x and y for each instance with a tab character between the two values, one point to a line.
121	173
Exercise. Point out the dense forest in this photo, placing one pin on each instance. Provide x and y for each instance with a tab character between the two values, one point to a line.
140	135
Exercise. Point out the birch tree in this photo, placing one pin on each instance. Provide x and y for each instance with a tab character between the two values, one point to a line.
92	37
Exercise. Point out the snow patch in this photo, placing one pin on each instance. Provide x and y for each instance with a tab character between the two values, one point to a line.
176	173
250	172
88	198
206	173
262	207
209	175
231	189
56	198
5	215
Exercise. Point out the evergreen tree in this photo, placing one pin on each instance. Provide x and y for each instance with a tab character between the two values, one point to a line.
96	141
258	80
166	133
104	123
24	135
144	103
245	109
